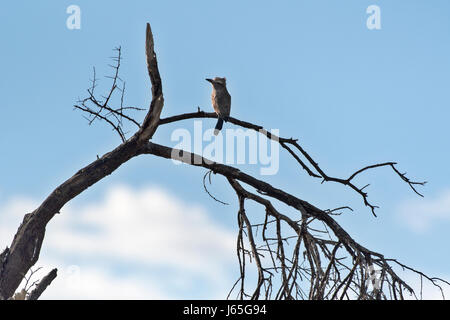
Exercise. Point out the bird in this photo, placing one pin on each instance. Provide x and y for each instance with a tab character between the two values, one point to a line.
221	101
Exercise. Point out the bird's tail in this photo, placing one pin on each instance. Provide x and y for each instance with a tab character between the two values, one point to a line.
218	126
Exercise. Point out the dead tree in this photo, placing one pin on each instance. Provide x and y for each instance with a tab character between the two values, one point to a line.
324	261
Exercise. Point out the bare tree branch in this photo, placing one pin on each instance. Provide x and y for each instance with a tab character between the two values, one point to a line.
315	247
151	121
286	143
24	250
42	285
325	262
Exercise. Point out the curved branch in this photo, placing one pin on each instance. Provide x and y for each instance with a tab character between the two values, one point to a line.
25	247
303	206
42	285
287	142
151	120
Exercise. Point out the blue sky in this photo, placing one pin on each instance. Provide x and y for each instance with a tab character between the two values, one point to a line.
311	69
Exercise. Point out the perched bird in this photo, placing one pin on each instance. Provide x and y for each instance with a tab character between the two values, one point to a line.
221	101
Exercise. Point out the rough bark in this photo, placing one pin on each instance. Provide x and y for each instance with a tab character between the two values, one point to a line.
42	285
24	250
25	247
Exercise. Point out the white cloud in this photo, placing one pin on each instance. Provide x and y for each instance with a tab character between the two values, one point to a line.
421	214
131	244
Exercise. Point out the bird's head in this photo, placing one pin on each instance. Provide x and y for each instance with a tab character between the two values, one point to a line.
218	82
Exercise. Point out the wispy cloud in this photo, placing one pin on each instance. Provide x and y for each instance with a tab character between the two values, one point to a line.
422	214
143	243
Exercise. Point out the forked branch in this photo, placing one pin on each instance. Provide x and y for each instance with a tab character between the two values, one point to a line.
325	262
291	145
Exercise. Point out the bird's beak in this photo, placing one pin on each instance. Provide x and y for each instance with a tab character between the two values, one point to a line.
209	80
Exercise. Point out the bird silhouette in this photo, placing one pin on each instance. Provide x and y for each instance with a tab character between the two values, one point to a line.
221	101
